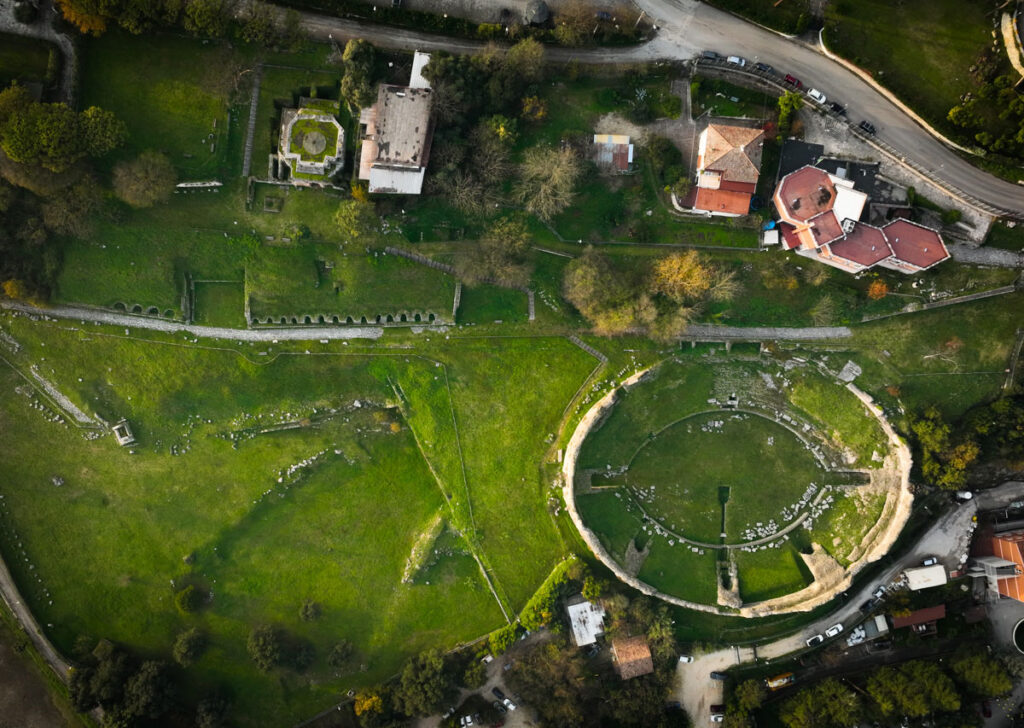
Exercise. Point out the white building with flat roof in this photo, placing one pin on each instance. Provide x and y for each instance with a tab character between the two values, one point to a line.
587	621
924	577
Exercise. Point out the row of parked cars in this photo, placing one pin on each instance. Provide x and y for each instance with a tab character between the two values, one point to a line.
815	95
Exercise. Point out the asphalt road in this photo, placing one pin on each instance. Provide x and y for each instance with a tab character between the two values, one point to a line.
948	539
686	27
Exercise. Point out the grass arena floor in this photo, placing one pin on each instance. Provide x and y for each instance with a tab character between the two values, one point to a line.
726	476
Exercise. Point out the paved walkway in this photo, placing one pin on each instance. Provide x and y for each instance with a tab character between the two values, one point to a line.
710	332
43	29
100	316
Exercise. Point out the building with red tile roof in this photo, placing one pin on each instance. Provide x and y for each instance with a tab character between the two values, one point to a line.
728	166
915	247
922	621
1001	563
820	219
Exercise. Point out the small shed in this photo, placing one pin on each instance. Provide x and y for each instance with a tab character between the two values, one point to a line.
922	621
123	434
632	657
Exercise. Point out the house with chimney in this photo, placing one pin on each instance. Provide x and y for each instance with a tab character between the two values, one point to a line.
728	166
820	219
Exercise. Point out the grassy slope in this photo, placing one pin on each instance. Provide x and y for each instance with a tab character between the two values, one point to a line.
771	573
889	40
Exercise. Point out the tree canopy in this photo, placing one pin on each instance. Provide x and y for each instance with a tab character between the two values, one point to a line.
423	685
145	180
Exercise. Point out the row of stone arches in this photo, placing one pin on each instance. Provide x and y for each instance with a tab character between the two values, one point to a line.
381	319
139	309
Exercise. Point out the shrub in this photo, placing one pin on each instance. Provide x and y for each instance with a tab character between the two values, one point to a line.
188	600
951	216
265	646
189	647
475	675
878	290
501	639
340	655
309	611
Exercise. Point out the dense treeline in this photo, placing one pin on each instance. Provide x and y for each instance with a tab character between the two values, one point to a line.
992	433
945	694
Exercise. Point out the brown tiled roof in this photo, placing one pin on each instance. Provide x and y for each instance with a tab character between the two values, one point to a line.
915	244
632	657
735	151
730	186
805	193
735	203
789	236
1008	546
921	616
825	228
865	244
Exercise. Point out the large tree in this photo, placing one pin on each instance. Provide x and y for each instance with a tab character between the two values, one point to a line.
423	686
266	646
145	180
981	674
499	255
356	219
547	180
827	704
553	680
208	17
357	82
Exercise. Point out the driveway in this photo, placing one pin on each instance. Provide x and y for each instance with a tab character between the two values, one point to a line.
948	539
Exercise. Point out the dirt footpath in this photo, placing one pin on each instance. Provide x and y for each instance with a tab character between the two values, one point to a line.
25	699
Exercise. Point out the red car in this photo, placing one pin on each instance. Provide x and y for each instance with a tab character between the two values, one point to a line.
793	81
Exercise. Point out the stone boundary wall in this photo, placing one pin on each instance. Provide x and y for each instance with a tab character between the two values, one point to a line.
882	535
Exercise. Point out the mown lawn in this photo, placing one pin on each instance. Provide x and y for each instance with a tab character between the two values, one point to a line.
486	304
678	571
771	573
678	475
310	280
172	92
715	96
220	304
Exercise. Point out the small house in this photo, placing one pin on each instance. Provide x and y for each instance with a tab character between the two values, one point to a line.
632	657
921	622
586	620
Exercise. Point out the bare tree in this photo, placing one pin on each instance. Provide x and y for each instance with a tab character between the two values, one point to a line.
547	180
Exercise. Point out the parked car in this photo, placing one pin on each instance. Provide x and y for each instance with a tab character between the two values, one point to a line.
964	495
737	61
816	95
834	630
508	665
709	55
498	694
717	710
837	108
793	81
686	659
718	717
763	67
869	605
930	561
466	720
499	707
448	714
509	704
867	127
879	592
719	676
815	640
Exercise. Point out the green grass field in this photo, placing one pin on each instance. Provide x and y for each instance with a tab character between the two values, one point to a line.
771	573
762	464
716	97
313	280
220	304
265	531
172	94
924	58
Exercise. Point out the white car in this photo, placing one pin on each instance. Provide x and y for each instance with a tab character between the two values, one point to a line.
686	659
930	561
717	718
834	630
737	61
817	95
509	704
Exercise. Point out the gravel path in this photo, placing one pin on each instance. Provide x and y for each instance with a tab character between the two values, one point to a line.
306	333
986	256
710	332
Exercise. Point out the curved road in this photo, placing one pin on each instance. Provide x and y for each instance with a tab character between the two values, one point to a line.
686	27
948	539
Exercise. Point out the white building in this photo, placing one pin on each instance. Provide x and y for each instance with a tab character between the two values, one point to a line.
924	577
587	621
